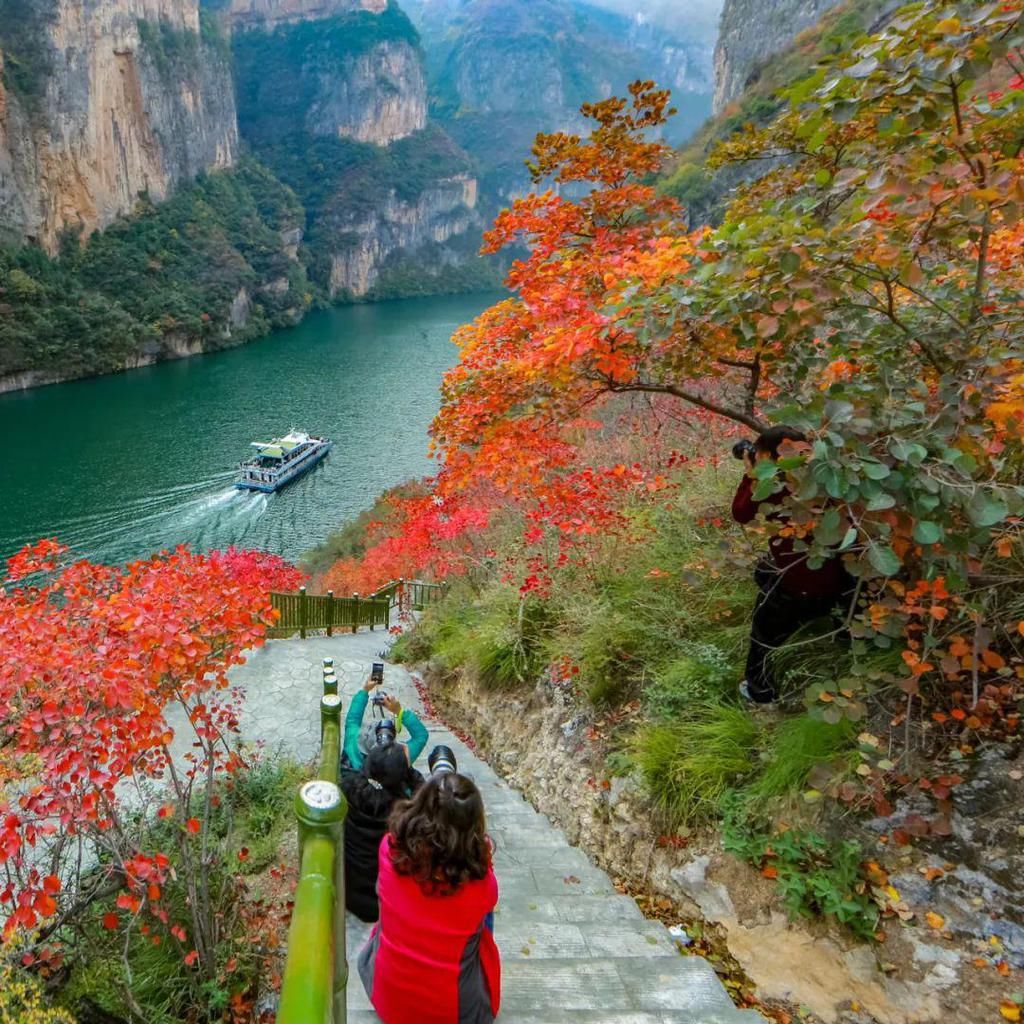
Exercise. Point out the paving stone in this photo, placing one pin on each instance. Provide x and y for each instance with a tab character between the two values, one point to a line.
574	951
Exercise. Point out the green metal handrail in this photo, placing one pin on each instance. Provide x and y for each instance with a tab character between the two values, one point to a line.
313	990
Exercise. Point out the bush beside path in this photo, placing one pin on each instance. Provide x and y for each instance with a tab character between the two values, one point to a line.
573	949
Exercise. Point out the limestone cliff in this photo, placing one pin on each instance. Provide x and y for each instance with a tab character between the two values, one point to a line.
247	13
441	212
750	32
121	97
336	105
357	76
500	72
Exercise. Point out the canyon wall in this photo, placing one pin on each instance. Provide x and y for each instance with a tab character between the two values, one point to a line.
750	32
336	104
106	100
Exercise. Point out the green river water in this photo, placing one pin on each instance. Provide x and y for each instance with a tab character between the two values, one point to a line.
121	466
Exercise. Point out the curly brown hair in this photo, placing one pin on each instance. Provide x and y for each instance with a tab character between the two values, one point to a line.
439	837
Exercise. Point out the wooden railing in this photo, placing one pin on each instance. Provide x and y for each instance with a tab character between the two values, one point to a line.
410	595
313	989
304	613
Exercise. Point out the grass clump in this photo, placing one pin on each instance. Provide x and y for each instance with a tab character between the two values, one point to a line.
688	766
794	749
497	637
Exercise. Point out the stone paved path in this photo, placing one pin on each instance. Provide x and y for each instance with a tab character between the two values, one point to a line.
572	948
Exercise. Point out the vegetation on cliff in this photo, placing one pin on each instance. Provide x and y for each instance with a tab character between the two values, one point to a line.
166	276
703	190
24	46
280	74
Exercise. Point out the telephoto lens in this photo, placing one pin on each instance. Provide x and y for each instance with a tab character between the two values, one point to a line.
385	733
442	760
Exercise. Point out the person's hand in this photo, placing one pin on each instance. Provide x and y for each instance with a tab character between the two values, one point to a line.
748	463
371	684
392	704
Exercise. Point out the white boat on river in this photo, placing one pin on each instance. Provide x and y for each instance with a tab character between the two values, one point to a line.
281	461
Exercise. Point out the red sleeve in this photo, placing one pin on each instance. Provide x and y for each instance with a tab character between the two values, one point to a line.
744	508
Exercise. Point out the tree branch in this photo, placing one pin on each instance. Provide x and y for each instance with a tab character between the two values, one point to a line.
748	420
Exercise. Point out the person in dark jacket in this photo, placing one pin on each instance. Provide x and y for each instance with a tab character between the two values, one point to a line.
373	783
384	778
790	593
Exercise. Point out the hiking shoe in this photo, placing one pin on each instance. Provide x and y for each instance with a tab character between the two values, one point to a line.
745	693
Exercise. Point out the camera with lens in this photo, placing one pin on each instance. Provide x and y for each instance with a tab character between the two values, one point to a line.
744	448
442	760
378	699
385	732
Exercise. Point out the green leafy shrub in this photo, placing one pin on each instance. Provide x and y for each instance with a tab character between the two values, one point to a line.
688	766
816	877
703	673
125	975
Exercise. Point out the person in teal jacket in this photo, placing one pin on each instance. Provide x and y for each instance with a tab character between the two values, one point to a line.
373	782
404	719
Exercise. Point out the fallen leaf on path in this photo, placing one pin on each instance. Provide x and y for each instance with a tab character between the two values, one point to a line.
934	920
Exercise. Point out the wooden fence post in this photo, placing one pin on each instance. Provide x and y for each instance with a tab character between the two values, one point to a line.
330	613
355	613
302	613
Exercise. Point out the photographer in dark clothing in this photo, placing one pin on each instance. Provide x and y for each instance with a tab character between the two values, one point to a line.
373	783
790	593
385	778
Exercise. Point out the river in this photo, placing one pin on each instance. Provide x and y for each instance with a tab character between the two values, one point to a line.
122	466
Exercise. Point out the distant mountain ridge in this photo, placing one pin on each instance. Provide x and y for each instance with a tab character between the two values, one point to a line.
500	72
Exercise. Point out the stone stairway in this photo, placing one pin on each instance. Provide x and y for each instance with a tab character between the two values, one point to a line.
572	948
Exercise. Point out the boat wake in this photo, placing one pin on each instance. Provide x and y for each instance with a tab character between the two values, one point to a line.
194	514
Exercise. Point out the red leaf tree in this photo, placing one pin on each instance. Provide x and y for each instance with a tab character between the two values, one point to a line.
95	659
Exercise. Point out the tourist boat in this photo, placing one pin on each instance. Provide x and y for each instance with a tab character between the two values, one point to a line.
281	461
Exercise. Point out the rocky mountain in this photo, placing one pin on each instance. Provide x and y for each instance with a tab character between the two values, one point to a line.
500	72
131	230
336	104
264	13
705	193
752	31
101	101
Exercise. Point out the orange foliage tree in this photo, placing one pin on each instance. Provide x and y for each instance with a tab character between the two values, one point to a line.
867	289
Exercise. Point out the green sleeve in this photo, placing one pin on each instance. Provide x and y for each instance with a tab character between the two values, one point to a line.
417	733
353	726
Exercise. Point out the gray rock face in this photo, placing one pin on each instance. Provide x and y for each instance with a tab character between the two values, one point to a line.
134	100
500	72
278	12
380	97
753	30
442	211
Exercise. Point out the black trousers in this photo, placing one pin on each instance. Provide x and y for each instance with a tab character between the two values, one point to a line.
777	616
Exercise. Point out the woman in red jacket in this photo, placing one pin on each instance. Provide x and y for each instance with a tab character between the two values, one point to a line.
431	959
